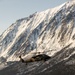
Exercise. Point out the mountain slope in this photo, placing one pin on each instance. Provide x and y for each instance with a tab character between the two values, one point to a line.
50	67
51	32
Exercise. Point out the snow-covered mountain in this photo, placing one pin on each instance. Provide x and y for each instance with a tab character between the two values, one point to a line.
51	32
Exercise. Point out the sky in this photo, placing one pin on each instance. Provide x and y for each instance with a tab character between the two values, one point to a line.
12	10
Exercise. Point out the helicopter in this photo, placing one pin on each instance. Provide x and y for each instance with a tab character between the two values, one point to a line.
39	57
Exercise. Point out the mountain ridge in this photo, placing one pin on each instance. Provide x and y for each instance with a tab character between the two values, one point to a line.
29	33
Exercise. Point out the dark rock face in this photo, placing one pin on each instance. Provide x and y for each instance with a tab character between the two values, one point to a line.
39	69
